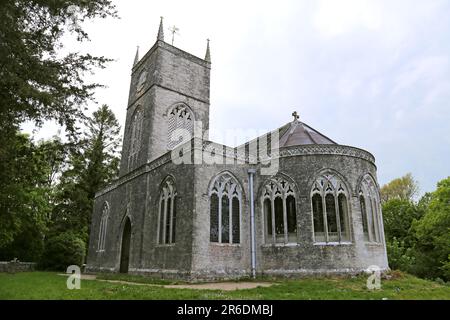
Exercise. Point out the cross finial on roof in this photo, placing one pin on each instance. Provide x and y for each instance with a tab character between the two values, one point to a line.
174	30
296	115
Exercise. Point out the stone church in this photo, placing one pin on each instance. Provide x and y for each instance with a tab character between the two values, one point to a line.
185	207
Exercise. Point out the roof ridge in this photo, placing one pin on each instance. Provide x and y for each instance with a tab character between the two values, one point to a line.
307	132
319	133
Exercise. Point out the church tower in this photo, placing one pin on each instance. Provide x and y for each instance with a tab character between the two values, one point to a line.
170	90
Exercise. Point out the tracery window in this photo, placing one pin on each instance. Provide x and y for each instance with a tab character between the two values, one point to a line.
167	213
225	197
279	210
330	210
180	125
135	137
103	228
370	209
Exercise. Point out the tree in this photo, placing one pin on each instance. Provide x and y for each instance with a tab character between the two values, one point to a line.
102	153
433	234
400	256
398	217
37	84
93	164
404	188
63	250
26	200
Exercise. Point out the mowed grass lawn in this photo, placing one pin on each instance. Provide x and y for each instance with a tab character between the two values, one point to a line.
44	285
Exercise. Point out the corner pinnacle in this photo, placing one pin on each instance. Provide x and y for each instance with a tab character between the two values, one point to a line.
161	30
208	52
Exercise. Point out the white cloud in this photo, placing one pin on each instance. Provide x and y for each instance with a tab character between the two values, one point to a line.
336	17
347	86
426	70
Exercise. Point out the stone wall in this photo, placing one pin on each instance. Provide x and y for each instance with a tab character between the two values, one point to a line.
13	267
194	257
305	257
138	199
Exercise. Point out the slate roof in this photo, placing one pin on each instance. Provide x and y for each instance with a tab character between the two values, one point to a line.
297	133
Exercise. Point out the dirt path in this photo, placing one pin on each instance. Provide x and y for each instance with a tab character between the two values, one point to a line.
224	286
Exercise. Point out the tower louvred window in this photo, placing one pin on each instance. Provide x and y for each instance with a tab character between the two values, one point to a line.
180	126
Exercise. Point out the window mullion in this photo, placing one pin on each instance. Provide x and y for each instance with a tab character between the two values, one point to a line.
338	220
100	236
220	217
164	221
105	226
230	220
158	231
369	218
272	208
285	224
172	199
325	220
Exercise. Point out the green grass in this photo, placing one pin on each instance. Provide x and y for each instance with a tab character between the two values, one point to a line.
42	285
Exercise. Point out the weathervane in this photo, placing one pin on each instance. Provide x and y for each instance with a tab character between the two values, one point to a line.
174	30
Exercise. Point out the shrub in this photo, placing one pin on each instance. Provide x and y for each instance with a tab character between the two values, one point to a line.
399	256
62	251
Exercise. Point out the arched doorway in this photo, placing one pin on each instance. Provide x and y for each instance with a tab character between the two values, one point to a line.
125	251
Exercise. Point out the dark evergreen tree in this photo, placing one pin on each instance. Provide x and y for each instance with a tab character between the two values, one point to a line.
36	82
93	164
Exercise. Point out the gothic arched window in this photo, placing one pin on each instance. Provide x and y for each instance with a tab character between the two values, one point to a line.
280	211
103	228
167	213
135	136
362	203
330	210
370	209
225	196
180	126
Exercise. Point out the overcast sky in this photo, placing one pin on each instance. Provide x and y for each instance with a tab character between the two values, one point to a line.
370	74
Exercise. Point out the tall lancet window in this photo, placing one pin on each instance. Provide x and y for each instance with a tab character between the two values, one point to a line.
103	227
180	127
369	199
225	197
331	218
167	213
280	211
135	137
